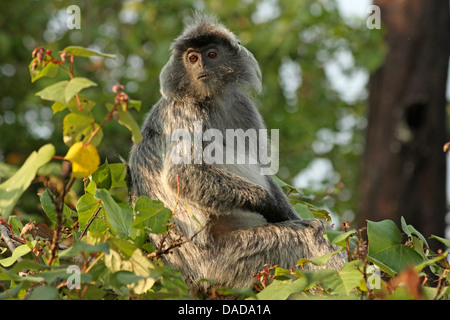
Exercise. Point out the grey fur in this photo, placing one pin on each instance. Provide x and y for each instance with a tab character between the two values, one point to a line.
247	220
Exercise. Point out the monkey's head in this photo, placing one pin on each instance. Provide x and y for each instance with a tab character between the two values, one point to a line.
206	60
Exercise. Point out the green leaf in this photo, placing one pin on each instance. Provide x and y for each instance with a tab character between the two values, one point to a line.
127	120
91	293
79	127
124	256
58	106
135	104
49	208
278	290
118	175
284	185
76	127
44	293
385	248
16	224
152	215
50	70
382	235
281	290
121	278
87	205
282	274
19	252
13	292
118	219
64	91
85	52
321	260
303	211
126	247
12	274
102	177
417	245
349	278
145	208
86	105
75	85
308	211
410	230
405	227
55	92
12	189
318	276
446	242
338	237
80	246
26	264
159	222
426	263
63	274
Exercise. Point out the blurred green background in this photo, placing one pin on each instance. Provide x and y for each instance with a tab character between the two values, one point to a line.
305	49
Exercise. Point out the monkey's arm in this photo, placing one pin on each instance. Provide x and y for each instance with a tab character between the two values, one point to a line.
216	190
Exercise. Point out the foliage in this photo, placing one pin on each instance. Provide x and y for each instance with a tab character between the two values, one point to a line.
303	35
99	248
383	263
106	240
93	245
381	268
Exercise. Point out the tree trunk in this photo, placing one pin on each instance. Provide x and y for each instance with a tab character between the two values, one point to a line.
404	164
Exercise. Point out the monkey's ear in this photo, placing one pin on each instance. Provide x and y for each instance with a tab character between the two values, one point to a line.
169	80
164	81
250	76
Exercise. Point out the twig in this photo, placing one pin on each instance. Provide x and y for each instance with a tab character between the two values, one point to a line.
442	279
89	222
14	238
68	187
59	208
100	256
60	158
7	239
108	117
174	244
120	98
77	99
345	226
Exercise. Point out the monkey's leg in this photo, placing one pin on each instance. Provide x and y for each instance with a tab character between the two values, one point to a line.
232	259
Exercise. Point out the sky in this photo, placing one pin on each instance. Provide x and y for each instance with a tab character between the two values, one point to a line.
349	88
349	8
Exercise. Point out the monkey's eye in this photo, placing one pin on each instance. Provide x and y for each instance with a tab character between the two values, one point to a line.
193	58
212	54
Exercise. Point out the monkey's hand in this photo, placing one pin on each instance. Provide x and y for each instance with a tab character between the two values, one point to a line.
215	190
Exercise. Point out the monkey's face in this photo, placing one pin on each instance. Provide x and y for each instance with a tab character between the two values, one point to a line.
206	60
208	69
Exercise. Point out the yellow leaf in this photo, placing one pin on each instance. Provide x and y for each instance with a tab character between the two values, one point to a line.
446	146
84	159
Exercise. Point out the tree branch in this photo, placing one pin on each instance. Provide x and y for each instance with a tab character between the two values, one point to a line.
8	241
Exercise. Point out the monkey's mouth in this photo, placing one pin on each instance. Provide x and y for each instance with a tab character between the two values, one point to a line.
204	75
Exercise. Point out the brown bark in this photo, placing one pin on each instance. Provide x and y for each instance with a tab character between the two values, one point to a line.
404	165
